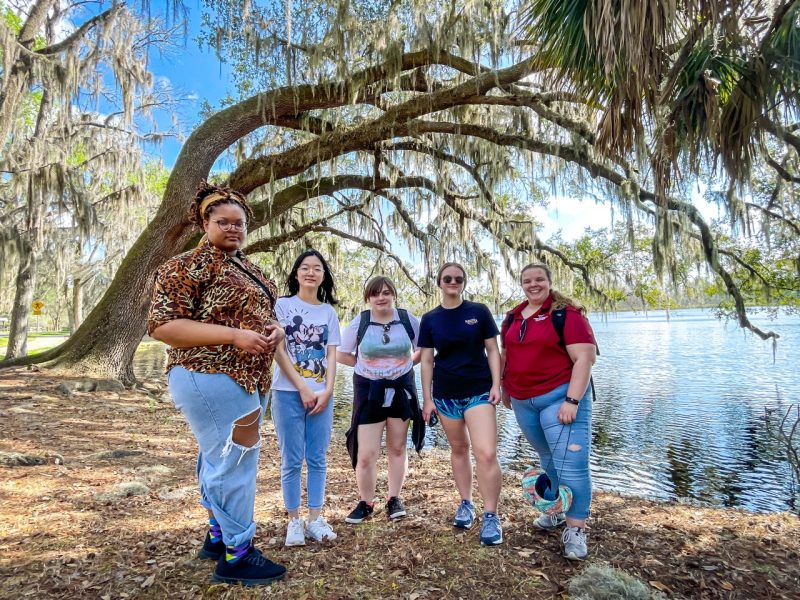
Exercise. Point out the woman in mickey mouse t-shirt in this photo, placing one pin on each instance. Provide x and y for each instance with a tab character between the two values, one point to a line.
547	385
302	397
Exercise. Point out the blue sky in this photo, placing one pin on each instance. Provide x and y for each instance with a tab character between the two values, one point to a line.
195	74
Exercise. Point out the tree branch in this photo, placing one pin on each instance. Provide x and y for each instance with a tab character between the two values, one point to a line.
421	147
78	34
269	244
774	215
376	246
781	171
393	123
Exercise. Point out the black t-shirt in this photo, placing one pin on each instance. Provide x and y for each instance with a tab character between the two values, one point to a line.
460	367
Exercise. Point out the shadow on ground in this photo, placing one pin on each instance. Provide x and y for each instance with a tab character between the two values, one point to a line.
112	513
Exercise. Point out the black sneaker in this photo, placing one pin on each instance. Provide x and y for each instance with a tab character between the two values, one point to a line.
252	569
360	512
211	550
395	508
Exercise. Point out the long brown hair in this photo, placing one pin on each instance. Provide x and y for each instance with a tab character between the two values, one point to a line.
559	300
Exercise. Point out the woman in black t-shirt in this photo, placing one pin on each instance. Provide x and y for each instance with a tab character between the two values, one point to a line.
462	385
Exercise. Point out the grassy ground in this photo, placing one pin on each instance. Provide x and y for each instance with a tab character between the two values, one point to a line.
112	513
37	342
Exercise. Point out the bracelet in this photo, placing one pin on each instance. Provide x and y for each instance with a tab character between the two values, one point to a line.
572	401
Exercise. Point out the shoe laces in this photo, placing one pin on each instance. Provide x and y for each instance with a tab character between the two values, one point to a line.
464	510
255	558
491	524
321	524
573	535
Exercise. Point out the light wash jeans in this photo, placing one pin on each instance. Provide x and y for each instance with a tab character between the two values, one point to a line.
226	471
538	420
301	436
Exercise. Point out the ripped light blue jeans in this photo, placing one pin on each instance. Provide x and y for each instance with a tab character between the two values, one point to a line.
226	471
563	449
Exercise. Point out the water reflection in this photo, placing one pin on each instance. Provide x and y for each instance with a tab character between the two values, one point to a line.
679	413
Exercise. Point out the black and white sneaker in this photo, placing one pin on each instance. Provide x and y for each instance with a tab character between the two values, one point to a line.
362	511
395	508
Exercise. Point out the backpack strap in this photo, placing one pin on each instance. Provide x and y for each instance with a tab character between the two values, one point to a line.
363	323
559	319
505	326
403	314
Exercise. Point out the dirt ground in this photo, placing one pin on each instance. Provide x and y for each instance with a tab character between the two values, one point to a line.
111	512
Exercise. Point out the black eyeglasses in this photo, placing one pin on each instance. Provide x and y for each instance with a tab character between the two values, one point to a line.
448	279
226	226
522	329
386	339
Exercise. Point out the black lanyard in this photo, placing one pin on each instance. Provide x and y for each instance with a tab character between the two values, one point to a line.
256	280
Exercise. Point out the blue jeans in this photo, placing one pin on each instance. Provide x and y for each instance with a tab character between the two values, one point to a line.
301	436
569	465
211	403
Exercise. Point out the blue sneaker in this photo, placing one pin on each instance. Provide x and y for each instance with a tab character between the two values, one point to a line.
465	515
491	531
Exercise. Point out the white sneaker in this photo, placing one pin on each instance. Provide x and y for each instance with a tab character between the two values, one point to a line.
550	522
319	530
574	541
295	533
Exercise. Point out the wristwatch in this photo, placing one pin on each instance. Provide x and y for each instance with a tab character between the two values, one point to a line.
574	401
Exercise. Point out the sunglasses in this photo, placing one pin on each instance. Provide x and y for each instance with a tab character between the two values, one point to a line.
522	329
385	338
448	279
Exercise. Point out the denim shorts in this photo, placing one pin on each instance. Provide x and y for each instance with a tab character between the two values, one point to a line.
455	409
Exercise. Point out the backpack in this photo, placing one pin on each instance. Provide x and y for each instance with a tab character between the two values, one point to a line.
558	318
365	322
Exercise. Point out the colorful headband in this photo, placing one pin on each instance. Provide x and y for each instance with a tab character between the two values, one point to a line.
212	197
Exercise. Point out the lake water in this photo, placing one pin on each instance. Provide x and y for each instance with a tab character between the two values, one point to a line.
679	413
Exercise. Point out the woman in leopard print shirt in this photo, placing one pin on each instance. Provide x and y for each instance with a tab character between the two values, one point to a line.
215	309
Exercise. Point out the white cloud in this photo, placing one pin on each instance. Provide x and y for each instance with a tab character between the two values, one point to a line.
572	216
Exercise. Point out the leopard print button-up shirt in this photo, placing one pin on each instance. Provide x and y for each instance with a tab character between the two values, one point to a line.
206	285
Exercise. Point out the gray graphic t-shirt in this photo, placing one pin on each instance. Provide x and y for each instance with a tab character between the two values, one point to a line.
382	354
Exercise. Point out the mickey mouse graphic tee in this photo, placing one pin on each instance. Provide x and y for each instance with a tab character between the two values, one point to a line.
310	329
458	335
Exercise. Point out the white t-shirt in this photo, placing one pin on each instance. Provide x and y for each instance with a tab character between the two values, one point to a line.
310	329
377	360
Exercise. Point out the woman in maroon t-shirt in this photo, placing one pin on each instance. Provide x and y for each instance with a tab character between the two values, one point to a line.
547	385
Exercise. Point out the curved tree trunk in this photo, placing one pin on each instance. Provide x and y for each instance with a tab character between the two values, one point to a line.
18	332
105	342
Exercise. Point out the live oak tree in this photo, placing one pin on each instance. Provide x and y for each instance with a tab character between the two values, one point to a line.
430	125
64	163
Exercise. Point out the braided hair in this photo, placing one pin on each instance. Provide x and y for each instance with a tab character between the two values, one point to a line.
226	196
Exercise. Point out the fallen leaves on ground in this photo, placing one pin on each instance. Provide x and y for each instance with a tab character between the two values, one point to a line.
117	517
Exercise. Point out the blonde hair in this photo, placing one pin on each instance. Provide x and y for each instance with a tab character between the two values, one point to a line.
559	300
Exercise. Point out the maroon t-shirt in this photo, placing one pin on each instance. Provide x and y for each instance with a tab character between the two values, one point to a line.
538	363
